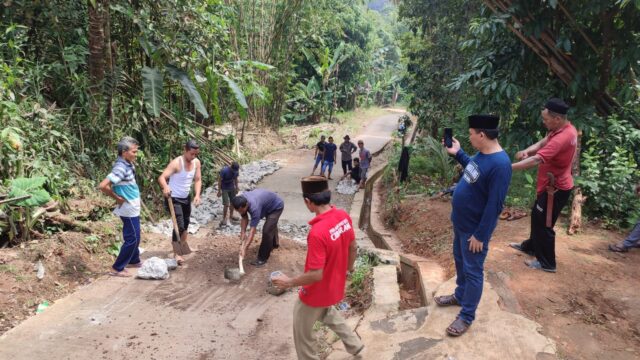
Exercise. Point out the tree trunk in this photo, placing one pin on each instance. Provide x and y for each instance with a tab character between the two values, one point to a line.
578	198
108	55
96	52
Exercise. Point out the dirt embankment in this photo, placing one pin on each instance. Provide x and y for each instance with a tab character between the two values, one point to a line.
590	307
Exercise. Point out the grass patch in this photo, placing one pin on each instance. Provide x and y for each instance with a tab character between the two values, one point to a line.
359	288
7	268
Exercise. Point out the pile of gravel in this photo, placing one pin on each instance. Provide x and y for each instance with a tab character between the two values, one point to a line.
291	231
211	206
347	187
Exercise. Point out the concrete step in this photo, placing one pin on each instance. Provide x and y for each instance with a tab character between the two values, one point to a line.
386	291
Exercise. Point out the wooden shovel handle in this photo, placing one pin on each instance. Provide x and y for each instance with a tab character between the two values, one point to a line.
173	217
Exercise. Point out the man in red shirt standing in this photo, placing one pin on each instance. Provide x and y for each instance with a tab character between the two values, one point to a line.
554	154
331	251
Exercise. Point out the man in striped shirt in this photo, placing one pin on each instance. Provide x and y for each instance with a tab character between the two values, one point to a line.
121	185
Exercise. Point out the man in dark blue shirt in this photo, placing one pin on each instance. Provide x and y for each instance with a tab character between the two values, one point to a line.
259	203
330	150
477	202
317	156
228	188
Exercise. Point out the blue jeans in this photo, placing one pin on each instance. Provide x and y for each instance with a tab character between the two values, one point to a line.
469	274
318	160
129	253
633	240
326	164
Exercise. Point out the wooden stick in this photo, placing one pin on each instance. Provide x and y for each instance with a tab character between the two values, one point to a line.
18	198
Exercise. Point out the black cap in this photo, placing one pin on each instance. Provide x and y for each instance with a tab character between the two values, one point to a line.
558	106
314	184
484	122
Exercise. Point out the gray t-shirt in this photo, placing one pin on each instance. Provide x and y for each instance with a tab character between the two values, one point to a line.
346	149
262	203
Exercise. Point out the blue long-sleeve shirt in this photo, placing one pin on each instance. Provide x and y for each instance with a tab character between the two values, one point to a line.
479	196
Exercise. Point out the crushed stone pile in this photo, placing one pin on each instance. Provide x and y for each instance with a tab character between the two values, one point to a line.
291	231
211	206
347	187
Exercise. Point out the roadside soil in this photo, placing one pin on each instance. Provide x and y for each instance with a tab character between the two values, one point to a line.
70	259
590	307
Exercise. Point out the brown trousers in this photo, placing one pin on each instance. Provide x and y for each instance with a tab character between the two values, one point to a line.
304	317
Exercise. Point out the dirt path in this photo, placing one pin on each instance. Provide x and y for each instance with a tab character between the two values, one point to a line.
196	314
590	307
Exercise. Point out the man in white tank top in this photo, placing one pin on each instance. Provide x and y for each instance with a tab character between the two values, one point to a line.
182	172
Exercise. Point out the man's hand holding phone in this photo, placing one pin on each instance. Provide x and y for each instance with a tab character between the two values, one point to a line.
455	147
448	137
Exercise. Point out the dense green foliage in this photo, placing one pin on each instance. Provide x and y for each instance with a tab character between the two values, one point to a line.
508	57
76	76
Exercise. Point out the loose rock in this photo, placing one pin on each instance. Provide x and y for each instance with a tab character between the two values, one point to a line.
154	268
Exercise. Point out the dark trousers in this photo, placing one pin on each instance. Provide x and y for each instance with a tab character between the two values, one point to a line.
542	240
182	208
269	235
346	166
129	253
469	274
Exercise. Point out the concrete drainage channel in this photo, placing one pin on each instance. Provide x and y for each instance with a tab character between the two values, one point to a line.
413	272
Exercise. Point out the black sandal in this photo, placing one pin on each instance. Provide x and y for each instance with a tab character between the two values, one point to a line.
446	300
618	248
458	327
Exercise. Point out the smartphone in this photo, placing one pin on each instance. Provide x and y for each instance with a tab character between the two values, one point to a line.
448	137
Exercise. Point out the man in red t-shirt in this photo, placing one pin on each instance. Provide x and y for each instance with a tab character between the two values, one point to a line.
554	154
331	251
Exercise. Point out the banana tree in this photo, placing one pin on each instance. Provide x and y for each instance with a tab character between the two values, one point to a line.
327	65
22	215
307	100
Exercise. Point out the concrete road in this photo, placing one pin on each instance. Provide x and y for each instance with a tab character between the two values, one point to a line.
299	163
196	314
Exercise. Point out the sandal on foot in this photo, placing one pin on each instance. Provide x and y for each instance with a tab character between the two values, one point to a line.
122	273
518	246
535	264
516	214
618	248
458	327
446	300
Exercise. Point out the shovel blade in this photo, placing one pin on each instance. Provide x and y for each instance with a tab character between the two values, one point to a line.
181	248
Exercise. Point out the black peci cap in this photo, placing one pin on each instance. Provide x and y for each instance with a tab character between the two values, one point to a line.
484	122
314	184
558	106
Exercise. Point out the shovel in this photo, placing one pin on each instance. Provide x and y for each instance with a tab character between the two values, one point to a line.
235	273
180	247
